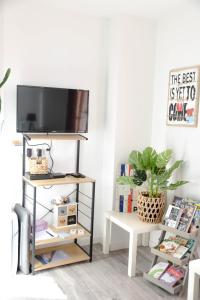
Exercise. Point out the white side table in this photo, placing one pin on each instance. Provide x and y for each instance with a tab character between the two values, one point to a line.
132	224
194	277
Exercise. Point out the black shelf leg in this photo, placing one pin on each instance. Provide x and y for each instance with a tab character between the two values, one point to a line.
92	220
33	231
23	171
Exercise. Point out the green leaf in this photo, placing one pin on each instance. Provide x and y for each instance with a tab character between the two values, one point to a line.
5	77
135	158
163	158
168	173
174	186
149	157
125	180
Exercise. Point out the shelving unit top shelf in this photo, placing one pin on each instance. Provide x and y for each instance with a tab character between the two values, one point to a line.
186	235
58	181
58	136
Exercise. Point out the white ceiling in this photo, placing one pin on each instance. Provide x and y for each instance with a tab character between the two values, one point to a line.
145	8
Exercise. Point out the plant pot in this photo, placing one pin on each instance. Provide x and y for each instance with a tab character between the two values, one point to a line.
150	210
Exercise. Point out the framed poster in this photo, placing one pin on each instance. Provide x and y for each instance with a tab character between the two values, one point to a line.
183	96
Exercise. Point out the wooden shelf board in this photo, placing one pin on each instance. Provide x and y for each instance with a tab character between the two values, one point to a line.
58	181
75	253
185	235
179	262
59	241
172	290
58	136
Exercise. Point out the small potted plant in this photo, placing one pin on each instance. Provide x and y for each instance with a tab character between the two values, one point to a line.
150	168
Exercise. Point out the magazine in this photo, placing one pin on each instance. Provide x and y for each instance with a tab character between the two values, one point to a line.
172	275
186	217
157	270
53	256
179	202
180	252
168	246
172	216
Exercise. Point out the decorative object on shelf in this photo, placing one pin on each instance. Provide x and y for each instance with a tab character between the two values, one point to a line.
38	165
183	96
150	168
65	214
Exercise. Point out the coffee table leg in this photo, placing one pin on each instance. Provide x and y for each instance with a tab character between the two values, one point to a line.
193	285
132	254
107	235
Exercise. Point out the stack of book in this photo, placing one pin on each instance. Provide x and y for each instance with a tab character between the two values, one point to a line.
126	170
167	273
126	197
183	214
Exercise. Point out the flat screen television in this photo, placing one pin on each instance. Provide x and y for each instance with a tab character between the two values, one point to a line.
47	109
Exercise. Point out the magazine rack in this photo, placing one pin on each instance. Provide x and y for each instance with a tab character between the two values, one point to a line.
183	262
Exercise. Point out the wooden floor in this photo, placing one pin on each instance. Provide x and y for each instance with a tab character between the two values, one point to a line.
106	278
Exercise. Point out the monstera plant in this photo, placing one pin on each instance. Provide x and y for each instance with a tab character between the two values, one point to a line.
151	168
2	83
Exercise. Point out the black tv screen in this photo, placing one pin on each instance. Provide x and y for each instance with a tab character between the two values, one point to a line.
46	109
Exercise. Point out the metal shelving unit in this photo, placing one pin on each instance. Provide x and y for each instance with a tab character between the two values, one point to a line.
77	253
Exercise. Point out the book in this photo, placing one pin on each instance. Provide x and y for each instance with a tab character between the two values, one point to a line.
53	256
180	252
121	203
187	214
130	209
172	275
126	170
172	216
45	234
157	270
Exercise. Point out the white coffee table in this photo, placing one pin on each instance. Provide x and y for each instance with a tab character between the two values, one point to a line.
132	224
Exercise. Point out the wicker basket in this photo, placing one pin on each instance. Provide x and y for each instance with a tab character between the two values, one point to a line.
150	210
38	165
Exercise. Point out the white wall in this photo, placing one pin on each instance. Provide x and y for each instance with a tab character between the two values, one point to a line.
49	47
130	96
178	46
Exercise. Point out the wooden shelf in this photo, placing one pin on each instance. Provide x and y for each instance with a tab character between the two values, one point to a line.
56	241
58	181
168	257
172	290
175	231
58	136
76	254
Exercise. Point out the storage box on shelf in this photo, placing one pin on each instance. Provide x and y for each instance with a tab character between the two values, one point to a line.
69	244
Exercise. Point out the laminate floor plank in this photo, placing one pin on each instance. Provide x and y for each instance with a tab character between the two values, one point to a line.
106	278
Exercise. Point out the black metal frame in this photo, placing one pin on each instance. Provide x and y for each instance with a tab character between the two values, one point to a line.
34	200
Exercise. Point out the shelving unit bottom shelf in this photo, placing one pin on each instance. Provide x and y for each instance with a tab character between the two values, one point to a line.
170	289
76	254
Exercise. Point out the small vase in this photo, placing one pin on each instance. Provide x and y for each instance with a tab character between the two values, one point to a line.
150	210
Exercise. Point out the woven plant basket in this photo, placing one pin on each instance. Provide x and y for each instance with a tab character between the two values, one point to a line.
150	210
